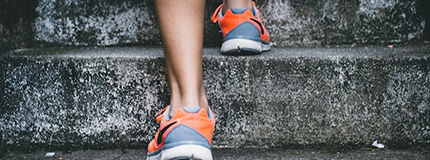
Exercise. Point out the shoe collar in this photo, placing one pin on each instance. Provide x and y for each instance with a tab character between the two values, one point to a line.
218	13
165	112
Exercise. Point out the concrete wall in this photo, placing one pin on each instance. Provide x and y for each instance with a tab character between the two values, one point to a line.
290	22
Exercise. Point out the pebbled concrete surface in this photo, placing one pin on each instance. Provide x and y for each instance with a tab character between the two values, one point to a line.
16	23
300	96
290	22
234	154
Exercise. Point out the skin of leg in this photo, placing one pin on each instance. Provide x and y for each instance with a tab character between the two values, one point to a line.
236	4
181	25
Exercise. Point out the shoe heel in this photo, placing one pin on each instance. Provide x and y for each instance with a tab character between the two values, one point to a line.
195	152
241	46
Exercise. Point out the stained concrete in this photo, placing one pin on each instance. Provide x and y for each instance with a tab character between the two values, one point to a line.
315	96
16	23
232	154
289	22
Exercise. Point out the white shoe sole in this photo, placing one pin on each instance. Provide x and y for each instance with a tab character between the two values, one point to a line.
194	152
239	46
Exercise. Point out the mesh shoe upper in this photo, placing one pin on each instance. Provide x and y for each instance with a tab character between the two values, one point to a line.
189	125
235	18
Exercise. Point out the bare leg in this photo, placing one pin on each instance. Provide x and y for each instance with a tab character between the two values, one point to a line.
181	25
236	4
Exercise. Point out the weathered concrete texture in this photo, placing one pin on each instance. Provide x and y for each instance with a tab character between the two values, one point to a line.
233	154
290	22
343	22
313	99
427	27
79	101
88	22
106	97
16	18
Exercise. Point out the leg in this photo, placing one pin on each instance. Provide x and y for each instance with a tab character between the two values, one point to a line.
186	131
181	25
236	4
242	30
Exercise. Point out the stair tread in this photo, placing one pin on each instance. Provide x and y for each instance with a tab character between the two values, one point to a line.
422	50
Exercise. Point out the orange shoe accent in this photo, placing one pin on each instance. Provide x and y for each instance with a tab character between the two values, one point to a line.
200	122
229	21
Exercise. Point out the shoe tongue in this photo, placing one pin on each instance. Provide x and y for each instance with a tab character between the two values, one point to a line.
186	109
238	10
167	117
196	110
192	109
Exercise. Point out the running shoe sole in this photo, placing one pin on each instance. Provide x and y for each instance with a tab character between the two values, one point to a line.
184	152
240	46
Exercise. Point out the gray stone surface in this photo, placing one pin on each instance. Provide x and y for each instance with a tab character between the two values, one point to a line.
16	23
87	22
290	22
343	22
315	96
234	154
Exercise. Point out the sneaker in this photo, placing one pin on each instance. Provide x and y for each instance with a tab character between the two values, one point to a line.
187	135
242	31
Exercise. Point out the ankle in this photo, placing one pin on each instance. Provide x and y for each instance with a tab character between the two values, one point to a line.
228	4
178	104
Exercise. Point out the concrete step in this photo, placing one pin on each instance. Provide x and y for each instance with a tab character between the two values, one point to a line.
298	96
289	22
232	154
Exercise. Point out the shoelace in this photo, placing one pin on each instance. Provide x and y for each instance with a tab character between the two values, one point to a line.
215	15
160	114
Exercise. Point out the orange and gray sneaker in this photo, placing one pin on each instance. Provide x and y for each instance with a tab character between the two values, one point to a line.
242	31
186	135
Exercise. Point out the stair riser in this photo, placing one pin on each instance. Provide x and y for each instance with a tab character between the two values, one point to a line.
275	101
